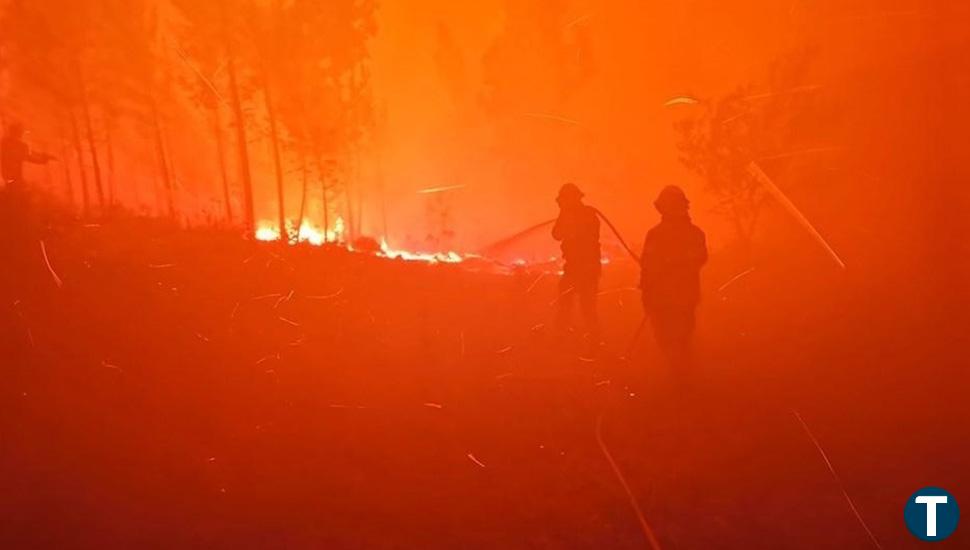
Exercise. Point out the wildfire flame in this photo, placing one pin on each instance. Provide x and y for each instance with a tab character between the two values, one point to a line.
310	233
449	257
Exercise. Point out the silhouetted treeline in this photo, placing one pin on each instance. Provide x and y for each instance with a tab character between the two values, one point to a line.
190	109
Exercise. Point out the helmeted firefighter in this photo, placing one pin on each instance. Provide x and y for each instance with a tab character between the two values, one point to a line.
578	230
673	253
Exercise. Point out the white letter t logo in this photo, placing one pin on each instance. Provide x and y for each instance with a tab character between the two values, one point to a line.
930	503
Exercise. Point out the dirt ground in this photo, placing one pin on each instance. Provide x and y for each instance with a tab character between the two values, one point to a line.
190	389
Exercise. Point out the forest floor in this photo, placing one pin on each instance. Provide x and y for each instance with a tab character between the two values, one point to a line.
192	389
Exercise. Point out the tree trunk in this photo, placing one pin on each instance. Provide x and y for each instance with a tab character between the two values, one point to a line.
349	208
277	164
173	176
303	170
359	216
162	160
111	162
79	152
326	203
157	194
274	131
92	147
68	183
221	151
242	149
382	190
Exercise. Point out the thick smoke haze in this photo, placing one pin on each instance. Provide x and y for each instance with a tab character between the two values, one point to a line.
512	99
849	107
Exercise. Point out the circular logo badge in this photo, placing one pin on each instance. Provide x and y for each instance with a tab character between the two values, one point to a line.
931	514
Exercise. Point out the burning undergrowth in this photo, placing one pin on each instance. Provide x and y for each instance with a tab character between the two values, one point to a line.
493	259
310	234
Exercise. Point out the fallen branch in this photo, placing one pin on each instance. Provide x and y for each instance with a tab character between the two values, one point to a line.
535	282
838	480
644	526
733	279
47	260
325	296
759	174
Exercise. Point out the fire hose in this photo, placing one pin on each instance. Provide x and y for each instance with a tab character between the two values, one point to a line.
529	230
508	240
616	233
648	533
636	258
645	527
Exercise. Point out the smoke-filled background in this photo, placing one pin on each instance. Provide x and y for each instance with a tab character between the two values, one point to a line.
173	109
849	106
